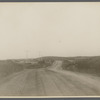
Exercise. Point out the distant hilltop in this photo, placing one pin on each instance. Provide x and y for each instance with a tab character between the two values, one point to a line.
84	64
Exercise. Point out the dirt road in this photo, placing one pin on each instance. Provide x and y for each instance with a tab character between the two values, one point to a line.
46	82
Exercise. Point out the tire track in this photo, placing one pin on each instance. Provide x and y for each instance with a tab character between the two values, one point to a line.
65	88
29	87
40	84
46	82
10	77
50	87
14	86
77	87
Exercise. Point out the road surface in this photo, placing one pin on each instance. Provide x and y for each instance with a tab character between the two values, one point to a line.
48	82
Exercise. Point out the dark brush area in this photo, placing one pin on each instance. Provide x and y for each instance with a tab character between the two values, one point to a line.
8	67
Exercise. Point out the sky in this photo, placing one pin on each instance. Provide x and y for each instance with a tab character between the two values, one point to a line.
49	29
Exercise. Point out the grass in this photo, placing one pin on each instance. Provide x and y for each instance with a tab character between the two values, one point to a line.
89	65
7	67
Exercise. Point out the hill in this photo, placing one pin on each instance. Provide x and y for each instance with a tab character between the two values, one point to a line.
87	64
7	67
81	64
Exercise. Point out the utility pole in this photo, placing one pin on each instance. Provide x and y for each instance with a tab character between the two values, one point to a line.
27	56
40	56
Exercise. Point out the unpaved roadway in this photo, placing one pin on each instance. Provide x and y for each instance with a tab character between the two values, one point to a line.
48	82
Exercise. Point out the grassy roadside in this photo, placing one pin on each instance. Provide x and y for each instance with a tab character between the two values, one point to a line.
7	67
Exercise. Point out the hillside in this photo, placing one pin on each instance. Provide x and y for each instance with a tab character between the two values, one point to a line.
89	65
7	67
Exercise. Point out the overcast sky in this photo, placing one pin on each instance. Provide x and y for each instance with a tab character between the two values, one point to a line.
49	29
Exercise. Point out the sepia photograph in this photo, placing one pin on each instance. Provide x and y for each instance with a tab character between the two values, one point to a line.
50	49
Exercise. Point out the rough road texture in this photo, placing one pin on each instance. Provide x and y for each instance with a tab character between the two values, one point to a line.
49	82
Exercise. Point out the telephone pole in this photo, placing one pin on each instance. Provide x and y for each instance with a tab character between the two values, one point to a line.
27	56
